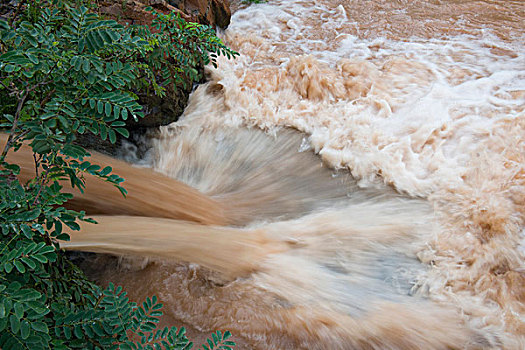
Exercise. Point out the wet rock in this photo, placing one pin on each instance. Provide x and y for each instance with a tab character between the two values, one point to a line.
213	12
161	110
165	110
133	11
95	143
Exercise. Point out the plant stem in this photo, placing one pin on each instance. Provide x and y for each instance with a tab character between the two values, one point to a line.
15	123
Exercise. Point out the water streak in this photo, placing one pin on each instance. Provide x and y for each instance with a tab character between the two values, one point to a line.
172	199
424	97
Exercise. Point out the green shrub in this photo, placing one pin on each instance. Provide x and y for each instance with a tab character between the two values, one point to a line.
187	46
65	71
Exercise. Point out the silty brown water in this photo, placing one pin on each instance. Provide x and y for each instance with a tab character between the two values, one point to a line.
425	96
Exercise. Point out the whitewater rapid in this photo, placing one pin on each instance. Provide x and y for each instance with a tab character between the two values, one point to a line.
409	233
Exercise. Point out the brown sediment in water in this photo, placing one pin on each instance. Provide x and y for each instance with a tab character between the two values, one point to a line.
340	283
149	193
408	94
230	252
326	264
255	176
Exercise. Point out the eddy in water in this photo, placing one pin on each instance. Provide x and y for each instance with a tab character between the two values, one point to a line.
304	253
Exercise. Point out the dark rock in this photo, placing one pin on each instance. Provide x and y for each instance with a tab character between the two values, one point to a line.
95	143
158	110
161	110
212	12
165	110
215	13
133	11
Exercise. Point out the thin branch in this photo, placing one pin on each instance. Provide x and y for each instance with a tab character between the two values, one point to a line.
21	102
19	136
37	161
15	123
7	87
43	82
47	98
44	179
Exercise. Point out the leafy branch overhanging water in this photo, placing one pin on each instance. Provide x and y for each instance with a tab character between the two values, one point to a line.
66	71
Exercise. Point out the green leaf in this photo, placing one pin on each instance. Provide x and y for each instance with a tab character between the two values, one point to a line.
28	233
27	295
40	327
28	74
32	58
31	215
112	136
124	113
92	168
78	331
118	123
41	258
107	109
97	329
30	263
78	63
25	329
15	323
81	44
85	66
73	225
103	132
115	36
122	190
63	120
67	332
97	37
19	266
63	237
105	171
19	310
109	68
123	132
38	307
3	323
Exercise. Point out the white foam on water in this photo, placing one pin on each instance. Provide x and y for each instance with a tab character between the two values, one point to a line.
439	117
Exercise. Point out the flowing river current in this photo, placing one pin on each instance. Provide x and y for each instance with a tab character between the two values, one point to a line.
354	180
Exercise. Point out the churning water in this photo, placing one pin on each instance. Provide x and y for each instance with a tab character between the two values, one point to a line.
403	231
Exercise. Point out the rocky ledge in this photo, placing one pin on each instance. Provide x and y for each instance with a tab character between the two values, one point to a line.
212	12
216	13
158	110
